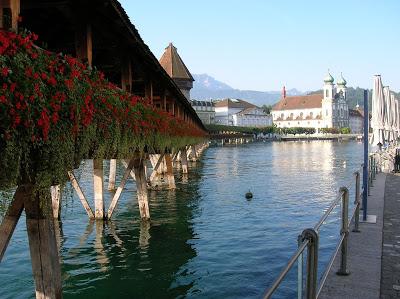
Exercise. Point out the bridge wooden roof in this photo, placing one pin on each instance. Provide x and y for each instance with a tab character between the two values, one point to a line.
115	39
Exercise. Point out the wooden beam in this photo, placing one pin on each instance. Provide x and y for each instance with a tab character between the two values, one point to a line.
156	167
164	99
56	200
112	174
121	186
126	73
125	163
42	244
9	14
80	193
83	42
11	218
148	91
141	184
98	188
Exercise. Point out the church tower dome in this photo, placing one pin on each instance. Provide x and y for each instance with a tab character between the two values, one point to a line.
328	78
342	81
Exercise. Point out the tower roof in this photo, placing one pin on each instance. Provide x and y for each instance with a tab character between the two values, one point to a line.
173	64
328	78
342	81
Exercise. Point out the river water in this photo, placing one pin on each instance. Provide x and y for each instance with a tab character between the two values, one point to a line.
205	240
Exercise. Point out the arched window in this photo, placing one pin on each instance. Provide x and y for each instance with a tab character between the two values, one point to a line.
301	114
311	115
326	93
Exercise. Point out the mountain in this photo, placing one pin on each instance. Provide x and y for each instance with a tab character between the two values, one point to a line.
206	87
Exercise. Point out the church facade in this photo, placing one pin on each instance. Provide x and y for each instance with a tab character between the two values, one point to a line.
327	110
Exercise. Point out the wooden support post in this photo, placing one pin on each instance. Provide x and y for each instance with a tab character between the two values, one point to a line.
121	186
98	188
148	91
43	246
169	173
11	218
112	174
184	160
126	163
56	200
83	42
156	167
194	153
80	193
126	73
164	98
141	184
9	14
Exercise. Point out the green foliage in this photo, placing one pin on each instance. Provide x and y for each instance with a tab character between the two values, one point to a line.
297	130
329	130
345	130
243	130
266	108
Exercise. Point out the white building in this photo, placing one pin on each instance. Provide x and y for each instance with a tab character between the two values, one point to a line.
205	110
327	110
356	120
235	112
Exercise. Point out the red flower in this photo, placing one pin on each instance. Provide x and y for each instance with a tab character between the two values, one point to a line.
5	71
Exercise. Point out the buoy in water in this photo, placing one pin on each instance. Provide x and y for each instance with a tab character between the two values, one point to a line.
249	195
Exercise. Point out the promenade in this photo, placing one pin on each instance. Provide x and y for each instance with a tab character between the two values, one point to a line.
374	253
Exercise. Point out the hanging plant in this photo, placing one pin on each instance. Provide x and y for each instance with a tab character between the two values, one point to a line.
55	111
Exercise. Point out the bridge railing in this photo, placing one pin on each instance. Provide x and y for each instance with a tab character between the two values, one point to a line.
309	240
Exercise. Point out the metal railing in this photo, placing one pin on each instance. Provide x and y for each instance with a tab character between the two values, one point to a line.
309	239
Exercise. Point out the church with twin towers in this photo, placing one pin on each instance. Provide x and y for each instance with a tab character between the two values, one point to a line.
328	109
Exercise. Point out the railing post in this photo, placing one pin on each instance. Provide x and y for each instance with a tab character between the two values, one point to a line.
300	270
344	231
312	262
357	202
371	175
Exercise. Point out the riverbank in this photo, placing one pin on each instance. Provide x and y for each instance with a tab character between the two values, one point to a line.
374	253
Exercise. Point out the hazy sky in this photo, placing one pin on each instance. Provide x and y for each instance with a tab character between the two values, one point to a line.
264	44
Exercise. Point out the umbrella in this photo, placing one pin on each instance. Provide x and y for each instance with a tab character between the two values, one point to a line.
377	111
387	116
394	116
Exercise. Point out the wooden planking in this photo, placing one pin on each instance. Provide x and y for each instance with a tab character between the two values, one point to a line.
117	194
11	218
80	193
112	174
43	247
98	188
141	184
9	21
126	73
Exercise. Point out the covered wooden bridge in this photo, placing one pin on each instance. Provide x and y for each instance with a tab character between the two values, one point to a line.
100	34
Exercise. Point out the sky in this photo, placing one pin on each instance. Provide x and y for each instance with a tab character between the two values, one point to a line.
265	44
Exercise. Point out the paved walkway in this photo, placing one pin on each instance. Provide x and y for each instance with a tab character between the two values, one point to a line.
374	254
364	258
390	278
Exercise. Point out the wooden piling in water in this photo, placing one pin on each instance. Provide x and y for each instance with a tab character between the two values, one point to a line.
112	174
11	218
56	200
141	186
98	188
184	160
169	173
42	244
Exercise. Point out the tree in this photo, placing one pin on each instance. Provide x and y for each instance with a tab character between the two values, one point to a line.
266	108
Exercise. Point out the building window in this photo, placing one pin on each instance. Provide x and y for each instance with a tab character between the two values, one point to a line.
326	113
326	93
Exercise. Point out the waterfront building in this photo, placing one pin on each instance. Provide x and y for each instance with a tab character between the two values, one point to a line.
235	112
205	110
356	120
177	70
326	110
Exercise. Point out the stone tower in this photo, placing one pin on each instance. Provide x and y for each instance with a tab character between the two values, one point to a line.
177	70
327	102
341	86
